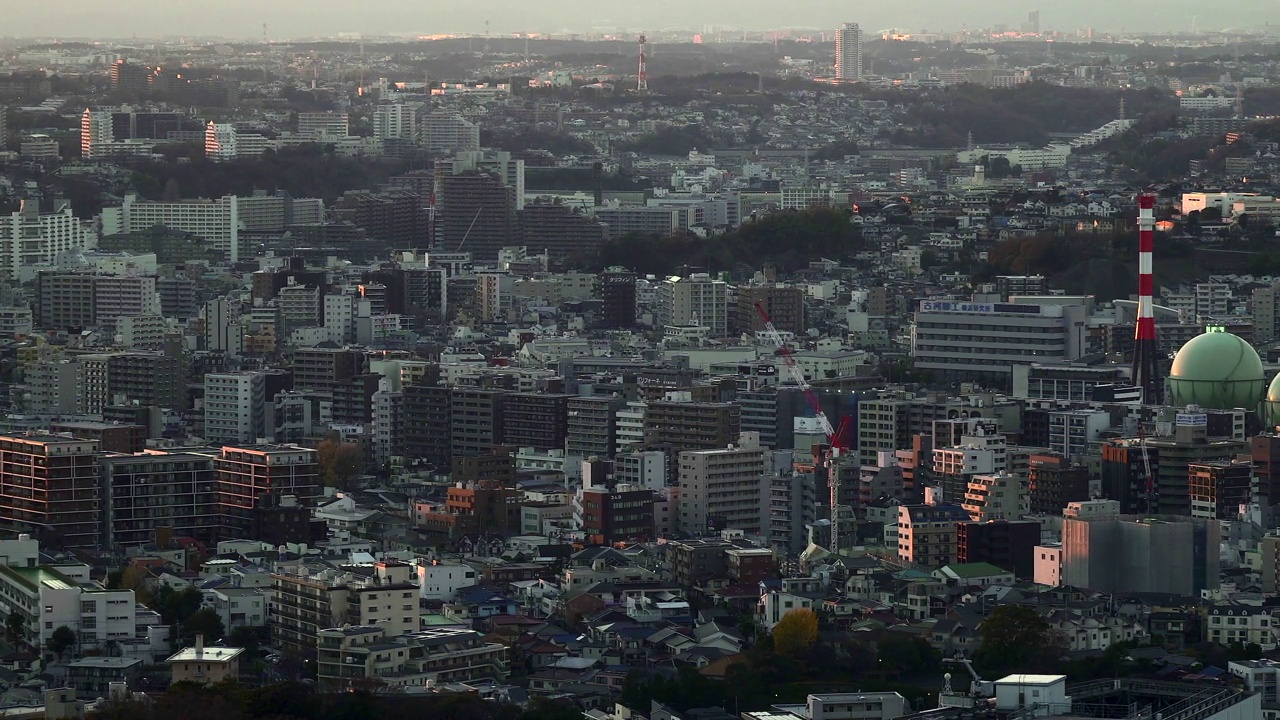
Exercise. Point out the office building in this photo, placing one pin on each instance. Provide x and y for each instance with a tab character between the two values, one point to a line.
611	515
85	300
321	368
235	407
49	488
445	132
1141	553
982	342
146	492
849	53
427	418
618	291
696	301
245	474
723	489
29	238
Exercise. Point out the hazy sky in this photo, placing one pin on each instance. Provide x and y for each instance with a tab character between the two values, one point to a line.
291	18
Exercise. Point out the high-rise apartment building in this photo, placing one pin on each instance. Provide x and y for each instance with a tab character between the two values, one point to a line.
722	489
535	420
245	474
145	492
31	238
72	299
849	53
444	132
785	306
218	222
561	230
477	213
324	124
235	407
224	142
397	121
696	300
689	425
49	488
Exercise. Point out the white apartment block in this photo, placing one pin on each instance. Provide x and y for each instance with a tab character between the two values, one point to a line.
52	596
219	222
340	318
398	122
30	238
324	124
442	580
223	142
235	407
449	132
696	300
728	488
997	497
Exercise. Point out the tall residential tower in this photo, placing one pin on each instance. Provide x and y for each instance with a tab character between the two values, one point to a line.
849	53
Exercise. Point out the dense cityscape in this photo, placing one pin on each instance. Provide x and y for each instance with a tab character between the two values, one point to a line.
642	374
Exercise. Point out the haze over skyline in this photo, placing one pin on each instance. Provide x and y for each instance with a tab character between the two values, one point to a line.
296	18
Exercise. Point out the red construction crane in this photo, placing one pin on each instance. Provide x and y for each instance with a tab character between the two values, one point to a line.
837	438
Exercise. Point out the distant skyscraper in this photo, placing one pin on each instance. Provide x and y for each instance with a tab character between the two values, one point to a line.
849	52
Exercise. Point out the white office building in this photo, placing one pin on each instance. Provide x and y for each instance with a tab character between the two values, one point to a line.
965	341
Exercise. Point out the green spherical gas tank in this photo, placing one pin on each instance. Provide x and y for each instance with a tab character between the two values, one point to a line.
1217	371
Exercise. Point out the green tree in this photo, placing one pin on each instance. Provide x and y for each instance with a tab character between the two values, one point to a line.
902	654
796	632
15	626
62	640
204	621
339	462
175	606
1014	637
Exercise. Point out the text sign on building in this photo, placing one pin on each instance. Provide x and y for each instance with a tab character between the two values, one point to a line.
1191	419
950	306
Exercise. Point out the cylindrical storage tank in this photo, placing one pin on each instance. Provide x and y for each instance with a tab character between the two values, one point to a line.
1218	371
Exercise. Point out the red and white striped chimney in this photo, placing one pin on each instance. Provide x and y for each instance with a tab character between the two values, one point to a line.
1146	361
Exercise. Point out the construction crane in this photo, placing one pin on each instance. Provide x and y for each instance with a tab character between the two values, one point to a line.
1146	467
836	438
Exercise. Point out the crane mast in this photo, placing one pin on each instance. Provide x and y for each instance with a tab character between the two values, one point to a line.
797	375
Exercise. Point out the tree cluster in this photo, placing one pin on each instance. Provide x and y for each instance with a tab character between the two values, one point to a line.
292	701
787	239
304	171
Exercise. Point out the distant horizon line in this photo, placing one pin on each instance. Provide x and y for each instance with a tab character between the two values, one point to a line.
587	36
